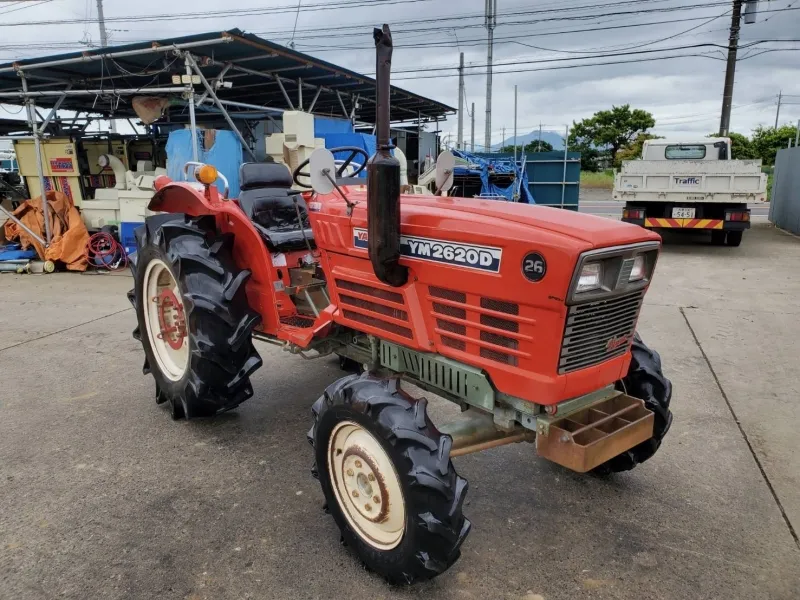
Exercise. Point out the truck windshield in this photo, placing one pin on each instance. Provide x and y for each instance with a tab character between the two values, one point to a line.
681	152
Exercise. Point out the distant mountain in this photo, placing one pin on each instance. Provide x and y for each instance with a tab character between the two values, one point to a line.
553	137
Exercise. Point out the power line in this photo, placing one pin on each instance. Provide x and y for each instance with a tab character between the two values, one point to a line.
508	39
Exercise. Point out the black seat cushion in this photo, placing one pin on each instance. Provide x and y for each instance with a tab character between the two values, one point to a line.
269	202
261	175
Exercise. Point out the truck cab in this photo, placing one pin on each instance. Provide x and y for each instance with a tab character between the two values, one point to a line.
689	186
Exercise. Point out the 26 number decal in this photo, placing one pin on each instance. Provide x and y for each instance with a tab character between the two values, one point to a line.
534	266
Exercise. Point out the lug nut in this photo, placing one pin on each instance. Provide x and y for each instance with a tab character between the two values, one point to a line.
349	472
358	464
371	477
367	507
376	500
355	494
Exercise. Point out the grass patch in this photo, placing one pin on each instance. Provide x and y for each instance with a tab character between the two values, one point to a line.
600	180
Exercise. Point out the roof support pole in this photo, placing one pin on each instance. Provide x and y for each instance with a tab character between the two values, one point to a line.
341	103
52	114
216	81
190	62
300	93
37	141
314	101
353	112
225	38
190	97
285	95
22	225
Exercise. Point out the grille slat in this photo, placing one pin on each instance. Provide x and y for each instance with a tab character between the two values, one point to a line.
603	311
583	337
592	328
369	290
395	313
584	329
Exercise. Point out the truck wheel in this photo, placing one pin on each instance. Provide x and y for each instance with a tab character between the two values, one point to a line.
193	318
644	380
734	238
387	478
718	237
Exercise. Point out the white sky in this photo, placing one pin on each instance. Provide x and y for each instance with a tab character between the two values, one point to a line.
684	94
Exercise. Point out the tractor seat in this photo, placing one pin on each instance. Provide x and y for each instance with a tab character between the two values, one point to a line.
268	201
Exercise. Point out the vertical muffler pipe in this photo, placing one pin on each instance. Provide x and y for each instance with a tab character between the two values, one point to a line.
383	178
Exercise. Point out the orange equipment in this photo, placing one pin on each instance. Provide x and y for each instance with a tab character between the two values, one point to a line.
525	316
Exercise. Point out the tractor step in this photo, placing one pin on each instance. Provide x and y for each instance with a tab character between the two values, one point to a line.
589	437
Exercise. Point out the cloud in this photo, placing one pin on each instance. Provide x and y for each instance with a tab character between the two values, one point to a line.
685	95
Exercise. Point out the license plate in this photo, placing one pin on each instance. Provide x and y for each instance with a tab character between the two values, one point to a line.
683	213
695	197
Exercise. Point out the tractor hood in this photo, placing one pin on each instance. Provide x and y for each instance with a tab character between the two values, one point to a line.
595	231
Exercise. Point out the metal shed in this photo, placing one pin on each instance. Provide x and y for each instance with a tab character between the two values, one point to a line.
232	74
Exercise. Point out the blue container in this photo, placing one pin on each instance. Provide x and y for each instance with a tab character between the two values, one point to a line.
127	237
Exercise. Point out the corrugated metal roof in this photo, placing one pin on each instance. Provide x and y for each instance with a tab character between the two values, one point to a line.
268	64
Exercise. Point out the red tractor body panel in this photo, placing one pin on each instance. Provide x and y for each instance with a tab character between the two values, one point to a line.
466	297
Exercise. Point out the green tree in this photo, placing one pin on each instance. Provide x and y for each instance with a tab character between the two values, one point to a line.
741	146
766	141
634	150
611	129
534	146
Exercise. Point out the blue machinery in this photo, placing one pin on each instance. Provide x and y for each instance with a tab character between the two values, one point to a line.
548	178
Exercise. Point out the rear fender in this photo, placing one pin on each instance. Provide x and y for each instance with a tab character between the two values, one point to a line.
249	250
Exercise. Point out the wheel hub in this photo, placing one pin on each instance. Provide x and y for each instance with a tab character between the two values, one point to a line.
165	320
366	485
171	318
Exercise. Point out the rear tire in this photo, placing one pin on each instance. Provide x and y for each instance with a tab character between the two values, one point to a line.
202	364
372	420
645	380
718	237
734	238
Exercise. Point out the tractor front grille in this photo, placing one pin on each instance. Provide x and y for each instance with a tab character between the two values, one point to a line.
484	326
598	331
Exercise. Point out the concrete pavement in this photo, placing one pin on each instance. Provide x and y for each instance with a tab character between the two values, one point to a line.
103	496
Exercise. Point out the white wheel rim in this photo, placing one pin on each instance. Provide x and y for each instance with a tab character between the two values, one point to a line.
366	485
165	322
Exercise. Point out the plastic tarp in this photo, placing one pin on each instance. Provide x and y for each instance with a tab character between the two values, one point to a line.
324	125
68	233
364	141
486	166
220	148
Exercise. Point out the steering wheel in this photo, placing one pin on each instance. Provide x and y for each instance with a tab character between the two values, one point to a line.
341	169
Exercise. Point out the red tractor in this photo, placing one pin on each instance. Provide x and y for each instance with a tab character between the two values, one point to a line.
524	316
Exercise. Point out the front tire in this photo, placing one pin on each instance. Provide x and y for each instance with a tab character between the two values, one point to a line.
645	380
388	481
193	318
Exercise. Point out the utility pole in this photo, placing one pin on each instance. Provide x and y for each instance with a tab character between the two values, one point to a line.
472	131
778	112
515	126
730	72
103	43
515	195
460	142
490	21
502	143
102	21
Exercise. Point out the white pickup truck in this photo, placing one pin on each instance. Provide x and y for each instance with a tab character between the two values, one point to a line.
691	186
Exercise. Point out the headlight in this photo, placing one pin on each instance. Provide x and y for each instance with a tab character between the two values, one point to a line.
639	268
590	277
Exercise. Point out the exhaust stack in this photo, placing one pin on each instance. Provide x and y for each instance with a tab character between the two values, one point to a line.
383	178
